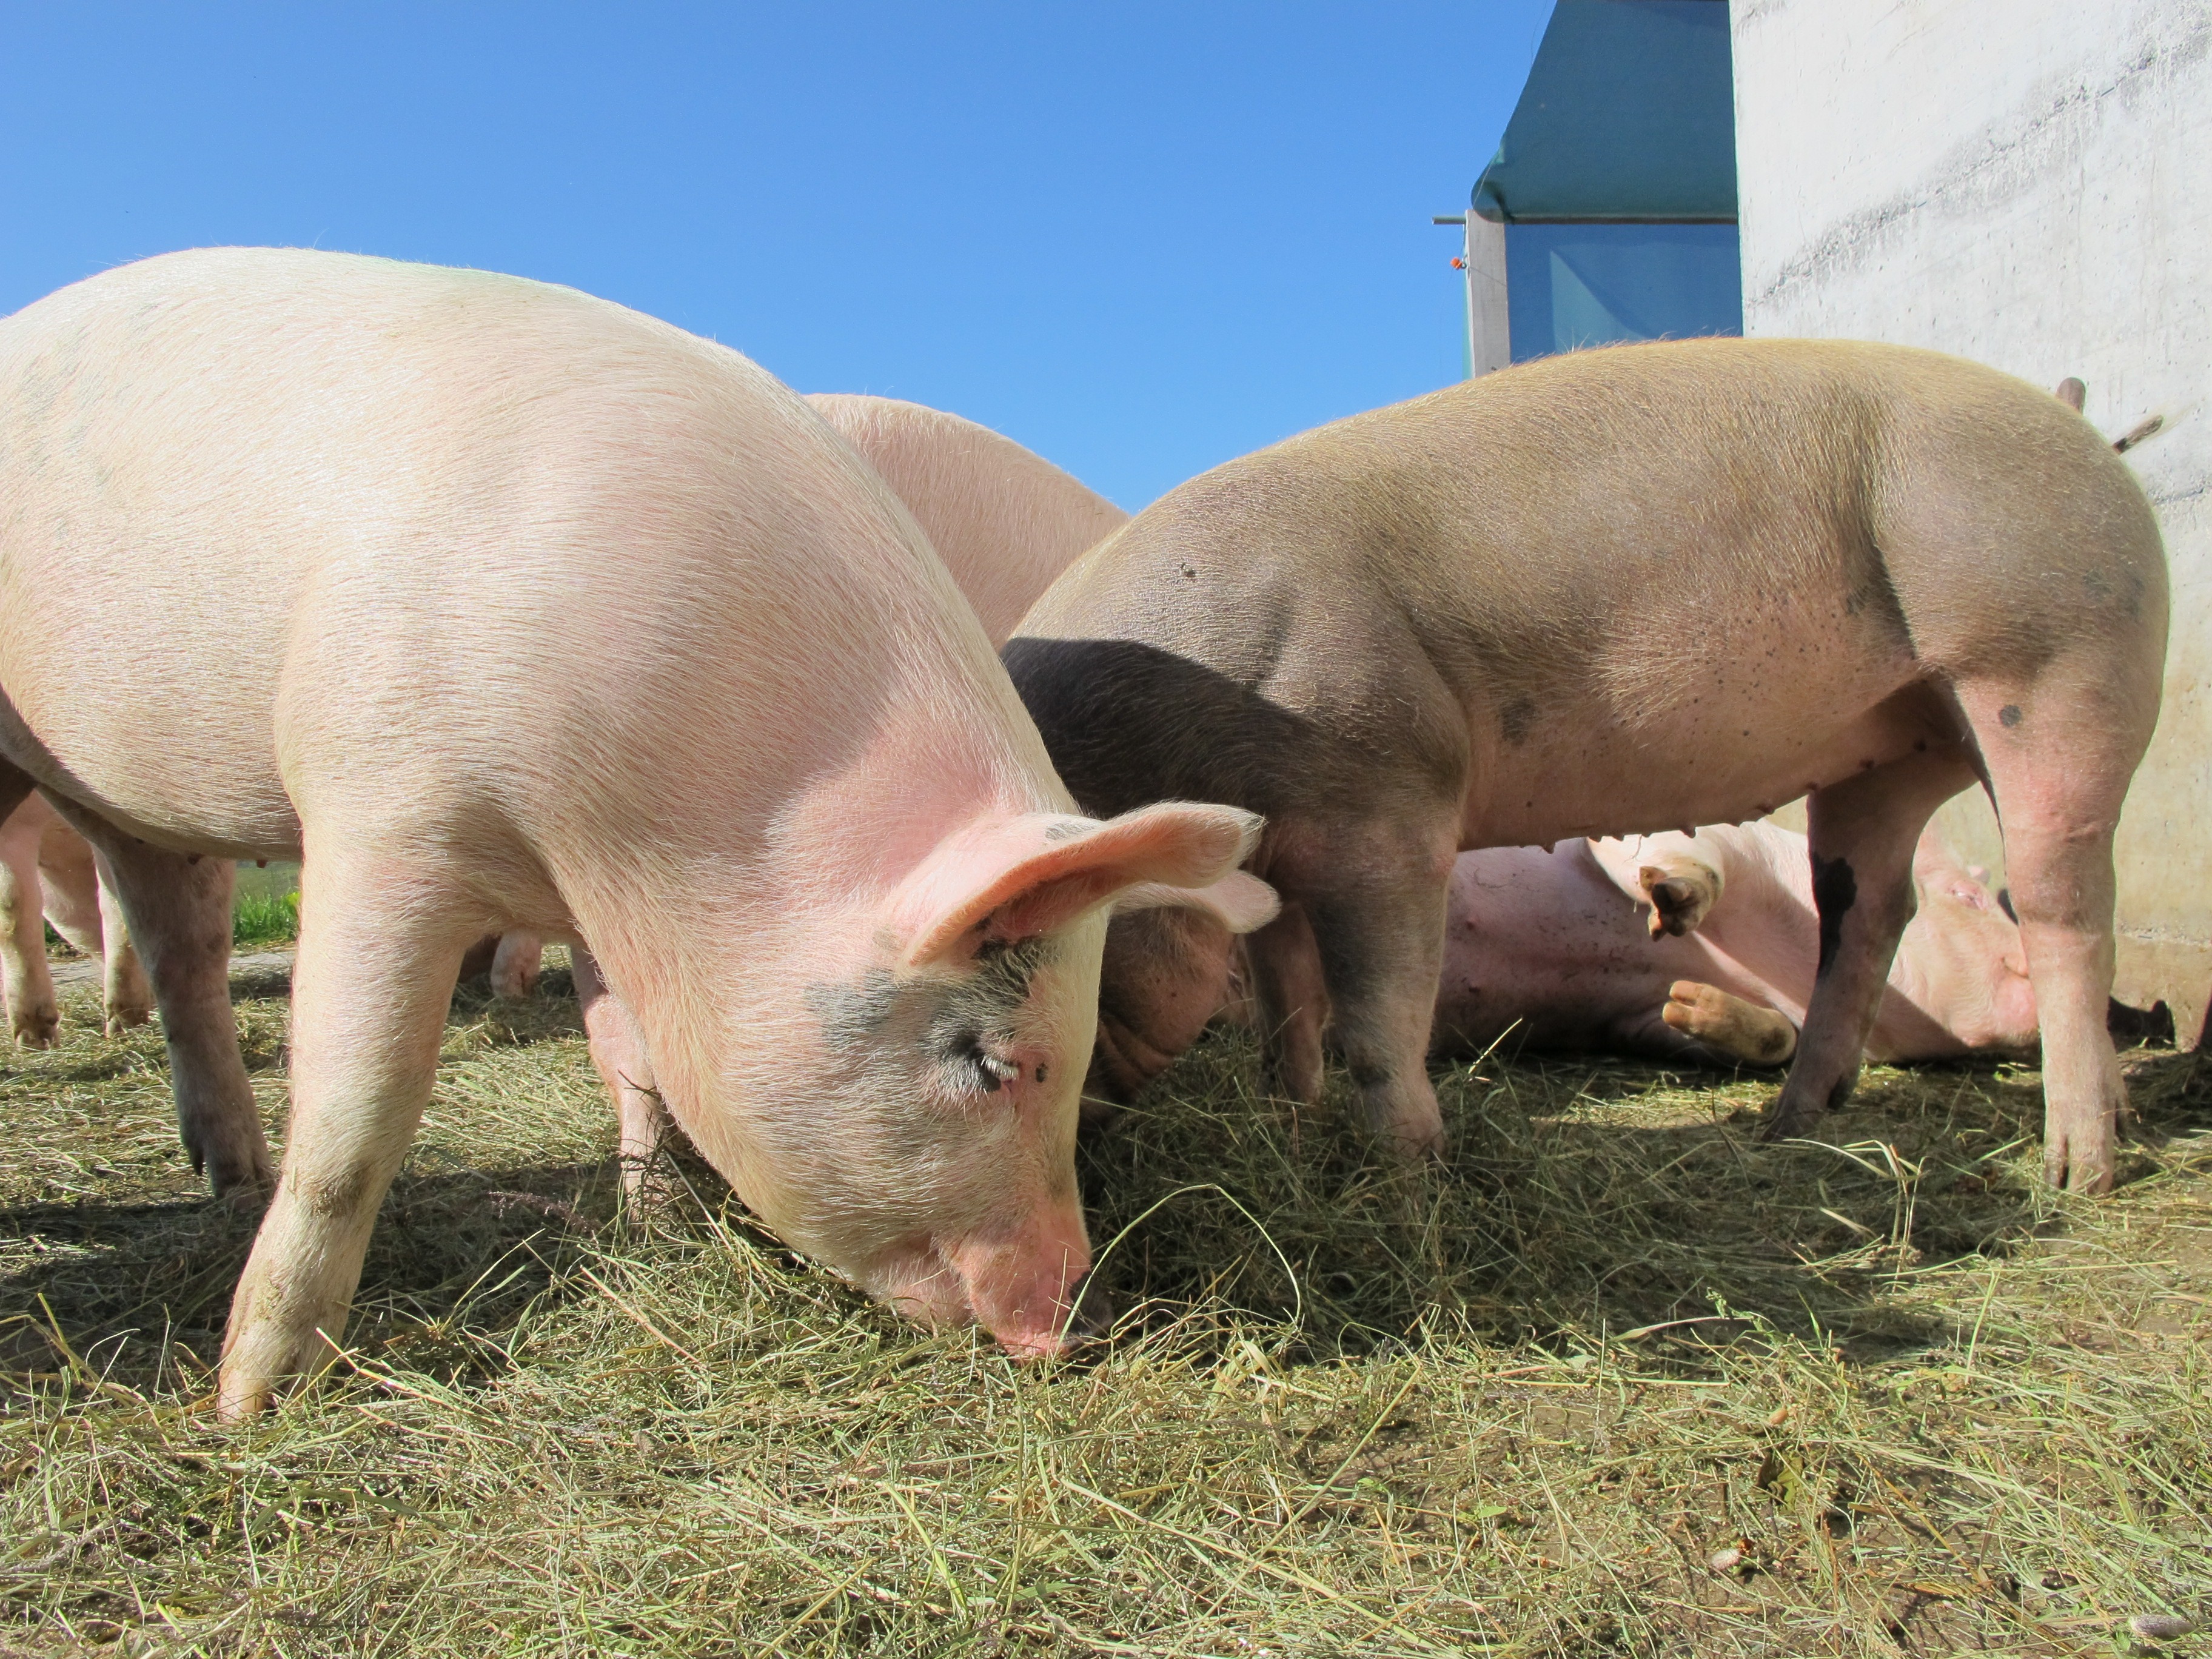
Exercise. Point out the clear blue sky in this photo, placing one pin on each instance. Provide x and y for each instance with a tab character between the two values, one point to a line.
1139	237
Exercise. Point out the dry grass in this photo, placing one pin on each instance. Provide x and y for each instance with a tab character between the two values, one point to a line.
1521	1407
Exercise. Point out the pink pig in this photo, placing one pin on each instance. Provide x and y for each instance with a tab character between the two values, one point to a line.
1548	948
500	606
1004	520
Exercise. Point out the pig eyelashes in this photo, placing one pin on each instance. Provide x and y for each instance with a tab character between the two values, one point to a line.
963	1022
970	1034
972	1067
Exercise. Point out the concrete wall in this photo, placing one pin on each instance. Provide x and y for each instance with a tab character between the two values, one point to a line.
2027	182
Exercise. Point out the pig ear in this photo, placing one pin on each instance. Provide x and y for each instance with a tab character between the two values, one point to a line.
1241	902
1016	878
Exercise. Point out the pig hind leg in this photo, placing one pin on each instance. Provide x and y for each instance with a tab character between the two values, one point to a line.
82	906
381	937
1862	836
2059	759
126	993
1727	1025
515	963
33	1015
176	912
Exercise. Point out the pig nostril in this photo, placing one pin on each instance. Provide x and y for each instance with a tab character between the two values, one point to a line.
1092	1316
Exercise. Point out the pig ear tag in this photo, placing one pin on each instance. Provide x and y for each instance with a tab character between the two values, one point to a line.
1017	878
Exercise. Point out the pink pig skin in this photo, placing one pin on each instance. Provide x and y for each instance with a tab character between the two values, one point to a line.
1004	520
500	606
1552	948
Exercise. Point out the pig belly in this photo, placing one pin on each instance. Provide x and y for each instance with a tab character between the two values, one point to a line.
1735	751
1542	951
126	721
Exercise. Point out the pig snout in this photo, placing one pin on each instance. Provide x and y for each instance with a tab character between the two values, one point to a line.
1122	1062
1164	976
1033	1292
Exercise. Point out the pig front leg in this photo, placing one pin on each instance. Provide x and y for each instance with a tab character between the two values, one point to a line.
381	944
617	1050
176	911
34	1014
1862	832
1376	901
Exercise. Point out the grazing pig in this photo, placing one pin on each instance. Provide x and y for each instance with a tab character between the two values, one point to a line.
1566	948
1004	520
499	606
48	873
1621	591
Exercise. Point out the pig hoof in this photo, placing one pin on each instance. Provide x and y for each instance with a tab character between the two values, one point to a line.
238	1401
37	1028
1742	1030
241	1176
1679	902
1779	1127
120	1020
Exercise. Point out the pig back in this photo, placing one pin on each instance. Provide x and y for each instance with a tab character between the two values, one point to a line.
282	526
1652	585
1004	520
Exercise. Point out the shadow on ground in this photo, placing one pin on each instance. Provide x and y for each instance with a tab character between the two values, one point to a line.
1585	1200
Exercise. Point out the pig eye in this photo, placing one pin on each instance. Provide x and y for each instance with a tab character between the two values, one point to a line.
977	1066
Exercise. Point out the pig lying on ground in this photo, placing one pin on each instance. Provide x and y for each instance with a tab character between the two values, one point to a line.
1622	591
499	606
1566	949
1004	520
1550	947
48	873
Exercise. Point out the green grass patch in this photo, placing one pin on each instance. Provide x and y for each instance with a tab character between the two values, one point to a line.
262	918
1616	1379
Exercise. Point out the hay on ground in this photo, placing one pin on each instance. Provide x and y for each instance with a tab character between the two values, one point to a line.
1617	1380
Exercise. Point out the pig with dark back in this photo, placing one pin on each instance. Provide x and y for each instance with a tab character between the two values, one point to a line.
499	606
1703	947
1616	591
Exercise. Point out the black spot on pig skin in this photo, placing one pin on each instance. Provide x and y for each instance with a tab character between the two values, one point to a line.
1516	717
1835	889
2008	715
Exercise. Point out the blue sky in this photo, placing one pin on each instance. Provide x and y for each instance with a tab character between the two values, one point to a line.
1139	237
